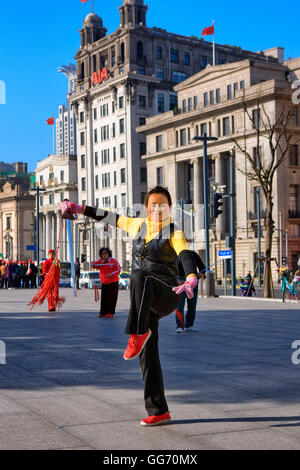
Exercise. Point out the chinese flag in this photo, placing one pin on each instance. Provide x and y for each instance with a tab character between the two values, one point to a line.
208	31
50	121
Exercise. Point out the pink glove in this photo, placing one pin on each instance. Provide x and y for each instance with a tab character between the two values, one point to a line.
187	287
69	208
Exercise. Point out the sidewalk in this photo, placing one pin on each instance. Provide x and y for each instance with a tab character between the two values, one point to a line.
230	385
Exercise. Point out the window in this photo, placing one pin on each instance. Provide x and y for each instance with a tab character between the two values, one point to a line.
204	61
159	53
115	202
97	182
219	128
97	202
123	175
195	102
62	197
81	116
142	121
159	175
294	155
229	92
211	97
143	175
51	177
293	200
95	114
196	132
96	158
121	102
82	161
140	51
186	58
95	136
242	84
190	104
143	150
257	156
218	95
203	128
114	154
183	106
232	124
113	107
8	224
235	89
159	143
81	138
142	101
105	132
256	118
173	102
105	156
51	199
122	150
141	70
41	180
226	126
114	129
106	201
62	176
123	200
160	73
174	56
205	98
83	184
179	77
41	201
183	137
160	103
115	178
106	180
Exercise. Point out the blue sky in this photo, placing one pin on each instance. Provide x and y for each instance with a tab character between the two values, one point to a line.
36	37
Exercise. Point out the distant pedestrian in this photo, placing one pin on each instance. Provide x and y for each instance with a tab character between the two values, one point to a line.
109	277
3	277
77	272
10	274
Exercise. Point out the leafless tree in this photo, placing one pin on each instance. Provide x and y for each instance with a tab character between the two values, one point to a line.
263	167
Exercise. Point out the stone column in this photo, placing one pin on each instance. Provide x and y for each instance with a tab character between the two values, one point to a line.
198	192
47	233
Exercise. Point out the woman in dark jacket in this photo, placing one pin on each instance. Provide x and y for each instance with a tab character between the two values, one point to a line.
154	286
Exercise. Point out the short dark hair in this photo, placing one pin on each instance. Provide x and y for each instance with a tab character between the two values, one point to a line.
158	190
105	249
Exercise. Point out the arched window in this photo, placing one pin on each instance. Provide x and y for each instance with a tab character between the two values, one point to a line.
140	50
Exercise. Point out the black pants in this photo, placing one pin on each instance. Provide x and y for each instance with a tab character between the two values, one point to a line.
151	299
109	297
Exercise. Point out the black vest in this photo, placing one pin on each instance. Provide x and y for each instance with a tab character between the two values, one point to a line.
157	255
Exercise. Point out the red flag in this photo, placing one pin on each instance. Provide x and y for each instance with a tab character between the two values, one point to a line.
82	1
208	31
50	121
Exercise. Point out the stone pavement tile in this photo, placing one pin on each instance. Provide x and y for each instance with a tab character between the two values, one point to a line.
118	396
260	438
9	406
76	409
130	435
29	432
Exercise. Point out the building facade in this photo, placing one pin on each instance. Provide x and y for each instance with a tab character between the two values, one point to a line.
57	176
227	98
123	79
17	226
66	143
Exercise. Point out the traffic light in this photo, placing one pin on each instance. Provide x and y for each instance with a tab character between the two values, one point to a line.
83	258
217	204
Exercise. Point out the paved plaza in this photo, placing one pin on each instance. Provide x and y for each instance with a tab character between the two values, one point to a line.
230	385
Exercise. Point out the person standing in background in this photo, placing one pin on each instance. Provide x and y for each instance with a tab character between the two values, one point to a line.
109	277
77	272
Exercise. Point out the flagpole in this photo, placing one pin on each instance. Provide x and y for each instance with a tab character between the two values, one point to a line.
53	139
214	46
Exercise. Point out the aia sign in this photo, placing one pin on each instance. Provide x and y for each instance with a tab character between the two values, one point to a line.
99	76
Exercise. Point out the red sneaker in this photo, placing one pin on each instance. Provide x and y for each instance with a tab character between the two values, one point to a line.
109	315
136	344
156	420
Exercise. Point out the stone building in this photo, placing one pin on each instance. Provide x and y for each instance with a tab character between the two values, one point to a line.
124	78
57	175
211	102
16	212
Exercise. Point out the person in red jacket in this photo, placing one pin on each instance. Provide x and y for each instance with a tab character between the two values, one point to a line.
46	266
109	277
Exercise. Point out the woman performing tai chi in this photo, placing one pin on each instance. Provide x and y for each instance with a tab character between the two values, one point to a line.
154	286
